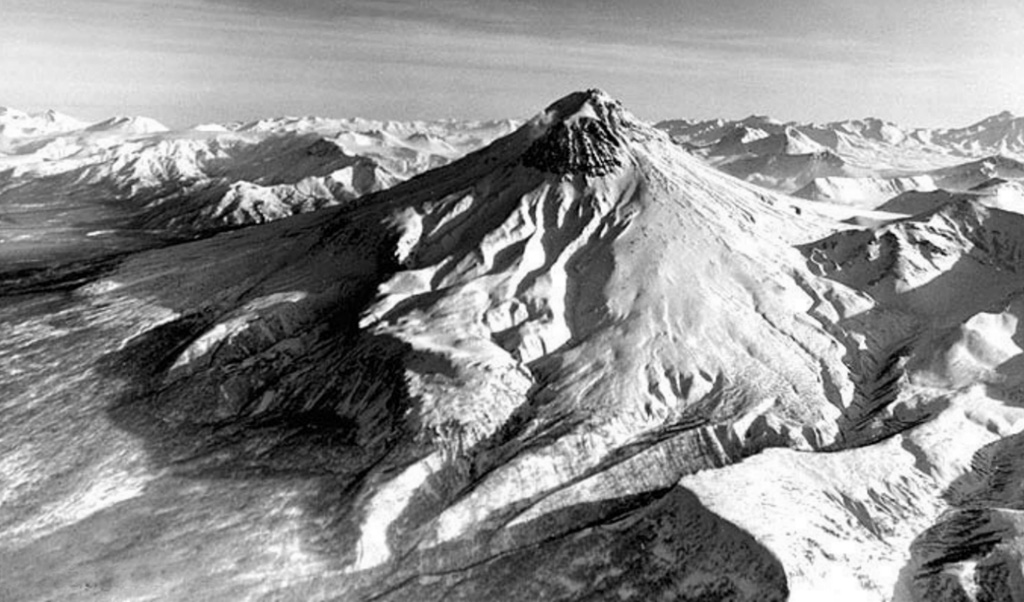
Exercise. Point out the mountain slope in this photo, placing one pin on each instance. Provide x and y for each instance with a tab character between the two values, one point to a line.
576	362
873	191
869	155
18	124
125	184
466	408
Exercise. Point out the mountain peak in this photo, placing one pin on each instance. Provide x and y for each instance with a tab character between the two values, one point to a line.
583	133
593	103
759	120
999	119
128	124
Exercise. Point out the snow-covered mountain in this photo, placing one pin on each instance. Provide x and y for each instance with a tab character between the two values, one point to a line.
1001	134
578	362
123	180
875	191
859	162
18	124
996	193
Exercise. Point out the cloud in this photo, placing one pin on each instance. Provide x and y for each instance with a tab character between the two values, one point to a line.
490	58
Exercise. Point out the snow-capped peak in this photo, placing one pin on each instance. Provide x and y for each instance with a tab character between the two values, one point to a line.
593	103
19	124
582	133
125	124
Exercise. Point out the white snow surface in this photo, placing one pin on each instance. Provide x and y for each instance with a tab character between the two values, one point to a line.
211	175
571	359
871	160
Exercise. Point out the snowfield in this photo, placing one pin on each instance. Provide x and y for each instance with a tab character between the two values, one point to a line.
576	357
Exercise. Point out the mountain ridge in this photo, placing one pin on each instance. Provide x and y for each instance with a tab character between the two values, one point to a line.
578	360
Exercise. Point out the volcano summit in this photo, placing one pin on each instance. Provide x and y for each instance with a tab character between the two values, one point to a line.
577	363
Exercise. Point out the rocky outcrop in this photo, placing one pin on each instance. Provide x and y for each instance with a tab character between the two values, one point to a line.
585	139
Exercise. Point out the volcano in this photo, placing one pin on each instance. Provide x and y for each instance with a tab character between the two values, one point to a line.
578	362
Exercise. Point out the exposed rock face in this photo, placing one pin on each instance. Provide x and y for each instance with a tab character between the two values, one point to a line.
576	363
587	147
586	138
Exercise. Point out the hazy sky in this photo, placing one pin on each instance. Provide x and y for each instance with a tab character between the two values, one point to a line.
917	62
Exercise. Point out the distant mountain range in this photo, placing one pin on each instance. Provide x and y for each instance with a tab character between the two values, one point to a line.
862	162
127	179
224	175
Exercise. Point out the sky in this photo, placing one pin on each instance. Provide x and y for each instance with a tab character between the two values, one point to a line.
920	63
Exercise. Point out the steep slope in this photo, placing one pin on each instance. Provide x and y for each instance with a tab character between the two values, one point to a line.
578	362
1001	134
932	345
975	173
523	349
760	150
787	142
786	172
773	155
951	278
